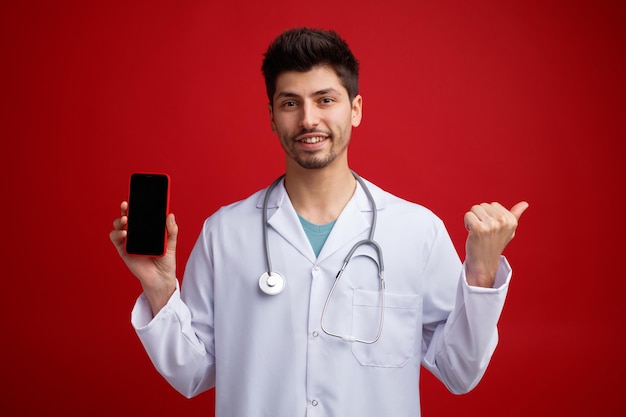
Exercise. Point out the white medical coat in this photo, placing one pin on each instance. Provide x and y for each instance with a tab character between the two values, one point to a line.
268	356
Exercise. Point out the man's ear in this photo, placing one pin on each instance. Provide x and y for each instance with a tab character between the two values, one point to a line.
271	110
357	110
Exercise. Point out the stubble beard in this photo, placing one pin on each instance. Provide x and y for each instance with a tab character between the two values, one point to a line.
314	162
309	160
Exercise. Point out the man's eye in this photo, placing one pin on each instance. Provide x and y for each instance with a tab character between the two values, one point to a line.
327	100
289	104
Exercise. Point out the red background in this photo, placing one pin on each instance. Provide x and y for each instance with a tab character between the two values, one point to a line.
463	102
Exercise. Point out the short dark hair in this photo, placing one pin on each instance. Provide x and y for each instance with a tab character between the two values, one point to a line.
301	49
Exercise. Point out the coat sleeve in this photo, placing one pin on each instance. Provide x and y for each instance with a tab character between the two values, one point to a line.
182	349
460	321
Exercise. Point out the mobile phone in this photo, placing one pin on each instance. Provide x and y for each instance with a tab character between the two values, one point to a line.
148	205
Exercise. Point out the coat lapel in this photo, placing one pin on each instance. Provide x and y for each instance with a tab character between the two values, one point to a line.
354	220
282	217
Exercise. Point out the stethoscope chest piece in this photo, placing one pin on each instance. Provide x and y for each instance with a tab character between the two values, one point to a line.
272	283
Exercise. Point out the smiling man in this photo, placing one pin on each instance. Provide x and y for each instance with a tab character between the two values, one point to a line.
313	115
314	125
345	289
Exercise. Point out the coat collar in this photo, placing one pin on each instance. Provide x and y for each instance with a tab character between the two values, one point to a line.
355	219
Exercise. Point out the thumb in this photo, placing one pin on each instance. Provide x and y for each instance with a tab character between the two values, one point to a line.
172	231
519	208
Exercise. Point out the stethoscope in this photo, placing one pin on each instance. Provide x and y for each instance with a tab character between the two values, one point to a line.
272	282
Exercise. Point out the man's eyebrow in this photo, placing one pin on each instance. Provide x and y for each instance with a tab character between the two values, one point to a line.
329	90
289	94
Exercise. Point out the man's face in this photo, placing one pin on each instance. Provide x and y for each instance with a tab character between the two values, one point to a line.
313	117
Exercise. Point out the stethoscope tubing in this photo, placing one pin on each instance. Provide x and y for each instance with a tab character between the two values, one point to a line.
273	283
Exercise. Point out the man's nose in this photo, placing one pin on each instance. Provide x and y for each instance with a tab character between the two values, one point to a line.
309	116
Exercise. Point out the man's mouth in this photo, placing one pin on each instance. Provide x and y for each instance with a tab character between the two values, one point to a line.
311	140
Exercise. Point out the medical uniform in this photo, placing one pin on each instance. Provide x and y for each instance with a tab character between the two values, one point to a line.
267	354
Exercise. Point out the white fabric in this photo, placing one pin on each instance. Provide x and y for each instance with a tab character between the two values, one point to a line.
268	356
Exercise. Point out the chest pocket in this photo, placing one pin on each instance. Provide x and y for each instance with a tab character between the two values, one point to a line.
400	328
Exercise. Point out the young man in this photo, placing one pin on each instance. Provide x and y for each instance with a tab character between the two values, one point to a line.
283	339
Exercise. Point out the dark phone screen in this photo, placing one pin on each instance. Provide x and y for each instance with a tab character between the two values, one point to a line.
147	210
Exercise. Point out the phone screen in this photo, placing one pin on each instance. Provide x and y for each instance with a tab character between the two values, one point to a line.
147	209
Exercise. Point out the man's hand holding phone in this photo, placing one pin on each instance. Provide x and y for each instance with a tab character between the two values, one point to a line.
155	269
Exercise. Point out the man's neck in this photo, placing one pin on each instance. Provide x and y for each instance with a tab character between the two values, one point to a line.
319	195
